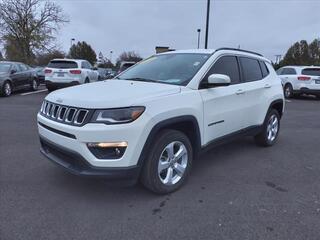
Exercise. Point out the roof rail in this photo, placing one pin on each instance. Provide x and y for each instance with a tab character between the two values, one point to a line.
240	50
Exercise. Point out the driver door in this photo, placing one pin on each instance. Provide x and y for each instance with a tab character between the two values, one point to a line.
223	106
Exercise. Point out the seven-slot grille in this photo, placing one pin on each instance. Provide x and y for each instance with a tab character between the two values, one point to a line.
64	114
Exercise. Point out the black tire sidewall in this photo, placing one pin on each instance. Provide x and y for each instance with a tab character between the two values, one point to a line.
288	86
3	92
150	171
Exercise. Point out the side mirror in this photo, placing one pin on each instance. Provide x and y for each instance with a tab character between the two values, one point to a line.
13	71
95	68
218	80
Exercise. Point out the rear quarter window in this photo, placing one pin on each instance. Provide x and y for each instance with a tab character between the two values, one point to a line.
311	71
63	64
264	69
251	70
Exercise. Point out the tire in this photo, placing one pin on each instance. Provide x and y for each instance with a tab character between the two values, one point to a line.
318	97
270	129
87	80
288	91
34	85
159	181
99	79
6	89
51	89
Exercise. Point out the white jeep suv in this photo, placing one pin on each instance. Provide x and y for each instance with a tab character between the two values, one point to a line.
156	117
69	72
298	80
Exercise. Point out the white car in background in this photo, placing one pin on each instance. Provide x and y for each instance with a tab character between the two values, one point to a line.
62	73
298	80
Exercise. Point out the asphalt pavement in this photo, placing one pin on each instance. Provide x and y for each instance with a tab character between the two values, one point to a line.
236	191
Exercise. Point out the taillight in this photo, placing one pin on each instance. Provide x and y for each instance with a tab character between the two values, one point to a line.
304	78
75	71
47	71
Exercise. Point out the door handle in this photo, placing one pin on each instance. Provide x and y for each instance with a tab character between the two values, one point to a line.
267	86
240	91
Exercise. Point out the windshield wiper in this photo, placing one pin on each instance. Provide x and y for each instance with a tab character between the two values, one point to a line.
141	79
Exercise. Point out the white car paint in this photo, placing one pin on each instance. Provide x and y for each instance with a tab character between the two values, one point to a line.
65	75
291	74
239	106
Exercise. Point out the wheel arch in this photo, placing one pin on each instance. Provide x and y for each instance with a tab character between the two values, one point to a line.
277	105
187	124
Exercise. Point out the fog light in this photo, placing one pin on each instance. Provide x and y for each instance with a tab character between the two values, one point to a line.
112	150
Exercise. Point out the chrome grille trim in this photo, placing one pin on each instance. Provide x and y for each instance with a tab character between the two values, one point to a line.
64	114
76	118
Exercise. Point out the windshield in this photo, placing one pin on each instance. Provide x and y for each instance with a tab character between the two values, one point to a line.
175	68
5	67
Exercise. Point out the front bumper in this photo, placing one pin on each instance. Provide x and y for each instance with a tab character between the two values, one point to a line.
76	164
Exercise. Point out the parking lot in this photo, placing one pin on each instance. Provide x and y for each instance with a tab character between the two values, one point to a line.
236	191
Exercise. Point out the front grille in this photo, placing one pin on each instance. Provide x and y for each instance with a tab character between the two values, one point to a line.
64	114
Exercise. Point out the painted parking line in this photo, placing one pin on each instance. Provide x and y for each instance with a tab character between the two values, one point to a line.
29	93
288	100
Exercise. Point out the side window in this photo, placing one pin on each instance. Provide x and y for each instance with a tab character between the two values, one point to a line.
15	68
89	65
250	69
23	68
264	69
289	71
83	65
279	71
227	65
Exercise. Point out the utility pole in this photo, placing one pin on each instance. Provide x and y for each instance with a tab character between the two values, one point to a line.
278	58
198	30
207	24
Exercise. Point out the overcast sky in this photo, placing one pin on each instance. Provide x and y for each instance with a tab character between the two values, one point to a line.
266	26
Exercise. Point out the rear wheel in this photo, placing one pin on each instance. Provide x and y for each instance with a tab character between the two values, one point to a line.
288	91
6	89
169	162
270	129
34	85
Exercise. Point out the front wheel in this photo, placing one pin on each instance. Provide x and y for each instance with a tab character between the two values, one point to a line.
270	129
6	90
168	163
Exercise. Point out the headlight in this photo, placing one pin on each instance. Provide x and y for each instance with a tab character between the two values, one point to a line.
117	116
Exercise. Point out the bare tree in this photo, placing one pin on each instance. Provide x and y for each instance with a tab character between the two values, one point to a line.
29	26
129	56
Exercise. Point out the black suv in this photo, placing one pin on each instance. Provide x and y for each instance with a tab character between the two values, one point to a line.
16	76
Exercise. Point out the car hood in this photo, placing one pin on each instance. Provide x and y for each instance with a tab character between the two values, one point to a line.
111	94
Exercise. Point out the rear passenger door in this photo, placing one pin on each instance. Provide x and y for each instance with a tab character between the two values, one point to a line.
223	106
256	88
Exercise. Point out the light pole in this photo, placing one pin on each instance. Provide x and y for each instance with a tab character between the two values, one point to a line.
111	56
72	40
207	24
198	30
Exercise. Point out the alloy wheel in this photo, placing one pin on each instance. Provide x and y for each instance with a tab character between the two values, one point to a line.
7	89
173	162
272	128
